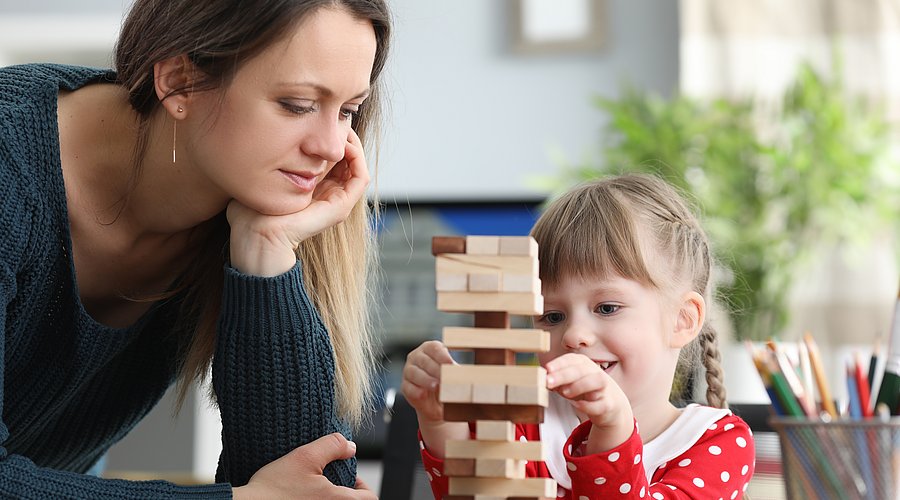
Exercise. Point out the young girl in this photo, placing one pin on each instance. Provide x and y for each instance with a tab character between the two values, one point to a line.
625	269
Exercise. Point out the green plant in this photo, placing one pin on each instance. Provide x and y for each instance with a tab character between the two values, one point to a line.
770	186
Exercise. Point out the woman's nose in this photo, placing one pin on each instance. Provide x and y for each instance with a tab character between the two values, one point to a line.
327	140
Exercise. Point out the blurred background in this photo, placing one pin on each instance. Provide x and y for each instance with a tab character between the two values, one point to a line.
776	118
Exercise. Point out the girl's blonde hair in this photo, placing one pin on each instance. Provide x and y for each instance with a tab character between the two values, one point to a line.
618	226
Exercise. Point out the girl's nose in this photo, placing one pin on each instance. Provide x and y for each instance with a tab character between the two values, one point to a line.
327	140
578	337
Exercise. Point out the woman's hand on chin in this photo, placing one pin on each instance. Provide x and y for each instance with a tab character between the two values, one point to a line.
263	245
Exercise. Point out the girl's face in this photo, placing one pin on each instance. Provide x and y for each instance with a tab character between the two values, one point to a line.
284	121
619	323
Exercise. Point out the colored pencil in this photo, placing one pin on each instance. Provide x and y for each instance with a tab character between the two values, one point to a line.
816	361
889	391
862	387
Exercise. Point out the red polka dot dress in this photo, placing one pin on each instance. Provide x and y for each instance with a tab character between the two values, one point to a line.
707	453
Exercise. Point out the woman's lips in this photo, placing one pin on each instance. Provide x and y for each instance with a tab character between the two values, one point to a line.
303	180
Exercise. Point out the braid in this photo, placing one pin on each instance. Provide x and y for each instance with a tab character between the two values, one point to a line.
712	361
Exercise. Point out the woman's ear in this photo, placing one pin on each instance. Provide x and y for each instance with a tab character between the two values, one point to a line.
169	77
691	314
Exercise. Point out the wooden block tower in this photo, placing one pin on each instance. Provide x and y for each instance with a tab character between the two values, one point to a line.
492	277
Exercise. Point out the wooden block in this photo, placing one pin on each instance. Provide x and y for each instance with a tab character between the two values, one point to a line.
518	245
483	245
448	244
455	393
518	395
495	357
491	319
467	412
517	340
484	282
500	467
457	263
519	450
495	430
529	486
529	376
459	467
520	283
528	304
446	282
488	393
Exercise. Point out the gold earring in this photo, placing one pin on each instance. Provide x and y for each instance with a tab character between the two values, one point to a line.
175	134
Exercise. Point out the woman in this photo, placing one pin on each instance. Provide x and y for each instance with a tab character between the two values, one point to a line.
203	204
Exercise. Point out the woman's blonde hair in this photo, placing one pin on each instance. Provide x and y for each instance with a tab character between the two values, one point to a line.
218	38
599	229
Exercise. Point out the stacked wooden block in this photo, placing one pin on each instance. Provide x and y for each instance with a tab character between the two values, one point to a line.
492	277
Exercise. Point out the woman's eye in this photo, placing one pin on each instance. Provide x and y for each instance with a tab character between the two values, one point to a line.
296	108
552	318
349	114
607	309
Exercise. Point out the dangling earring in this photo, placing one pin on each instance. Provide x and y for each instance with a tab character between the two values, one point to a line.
175	134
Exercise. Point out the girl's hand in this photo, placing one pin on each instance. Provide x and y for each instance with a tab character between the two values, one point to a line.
421	380
595	394
420	386
263	245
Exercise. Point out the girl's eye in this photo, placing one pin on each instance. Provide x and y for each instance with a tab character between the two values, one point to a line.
607	309
297	109
552	318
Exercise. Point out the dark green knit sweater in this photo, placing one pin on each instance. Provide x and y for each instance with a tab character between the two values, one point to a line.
71	387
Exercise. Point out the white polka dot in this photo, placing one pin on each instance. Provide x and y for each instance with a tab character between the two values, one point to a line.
728	427
570	449
745	486
625	488
698	482
600	480
734	495
725	476
637	459
436	472
582	497
685	462
571	466
614	456
421	445
713	427
715	450
429	476
741	442
523	439
663	465
643	491
672	487
744	470
560	492
658	496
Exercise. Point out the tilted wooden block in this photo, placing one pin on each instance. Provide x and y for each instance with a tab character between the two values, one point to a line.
447	282
529	376
518	245
519	450
457	263
500	467
518	340
466	412
488	393
528	304
448	244
495	430
483	245
518	395
484	282
529	486
455	393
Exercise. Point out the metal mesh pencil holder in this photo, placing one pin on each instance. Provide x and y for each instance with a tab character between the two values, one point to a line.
844	459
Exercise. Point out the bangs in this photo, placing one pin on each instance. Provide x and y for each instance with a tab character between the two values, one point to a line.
590	233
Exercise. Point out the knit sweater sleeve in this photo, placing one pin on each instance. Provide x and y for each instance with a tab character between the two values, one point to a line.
273	375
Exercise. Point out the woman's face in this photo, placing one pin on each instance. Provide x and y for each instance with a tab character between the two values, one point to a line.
283	122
